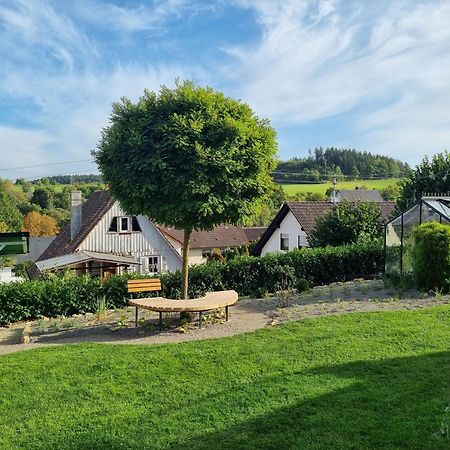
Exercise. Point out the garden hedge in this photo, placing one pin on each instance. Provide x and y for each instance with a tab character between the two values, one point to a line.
248	275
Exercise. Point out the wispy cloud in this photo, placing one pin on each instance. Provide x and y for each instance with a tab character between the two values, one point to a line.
381	66
321	59
27	26
152	15
69	105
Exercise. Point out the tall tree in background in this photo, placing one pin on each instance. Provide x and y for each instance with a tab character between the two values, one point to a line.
10	215
43	197
188	158
347	223
428	177
38	224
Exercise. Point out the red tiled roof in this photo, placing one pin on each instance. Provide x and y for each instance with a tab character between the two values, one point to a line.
92	211
254	233
307	213
223	236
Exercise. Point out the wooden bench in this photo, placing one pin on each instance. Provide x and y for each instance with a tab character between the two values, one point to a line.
212	300
143	285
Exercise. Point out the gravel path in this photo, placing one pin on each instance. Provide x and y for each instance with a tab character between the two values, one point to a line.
248	315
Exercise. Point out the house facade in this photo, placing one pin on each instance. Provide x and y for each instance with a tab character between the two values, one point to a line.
294	223
102	240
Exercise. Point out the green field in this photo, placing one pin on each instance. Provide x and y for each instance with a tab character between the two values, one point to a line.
321	188
355	381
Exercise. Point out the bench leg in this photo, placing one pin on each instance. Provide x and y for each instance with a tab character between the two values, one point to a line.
226	313
200	319
136	317
160	322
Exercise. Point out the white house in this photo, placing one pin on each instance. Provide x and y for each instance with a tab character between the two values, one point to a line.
295	221
101	239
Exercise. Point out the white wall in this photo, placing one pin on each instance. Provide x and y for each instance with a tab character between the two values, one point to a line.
137	244
291	227
6	276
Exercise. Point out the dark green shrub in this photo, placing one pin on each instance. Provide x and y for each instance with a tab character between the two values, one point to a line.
431	256
302	285
64	294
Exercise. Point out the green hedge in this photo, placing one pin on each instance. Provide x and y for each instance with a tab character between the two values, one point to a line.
248	275
431	256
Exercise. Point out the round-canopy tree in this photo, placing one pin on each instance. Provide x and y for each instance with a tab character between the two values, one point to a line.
188	157
347	223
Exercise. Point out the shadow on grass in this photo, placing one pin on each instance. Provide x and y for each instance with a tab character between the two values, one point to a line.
391	403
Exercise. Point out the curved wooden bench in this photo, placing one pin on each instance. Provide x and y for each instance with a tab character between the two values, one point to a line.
212	300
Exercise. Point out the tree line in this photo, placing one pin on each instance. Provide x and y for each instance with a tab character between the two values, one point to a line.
322	164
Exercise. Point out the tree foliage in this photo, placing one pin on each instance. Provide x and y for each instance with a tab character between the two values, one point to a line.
43	197
38	224
431	256
187	157
347	223
323	163
10	215
430	176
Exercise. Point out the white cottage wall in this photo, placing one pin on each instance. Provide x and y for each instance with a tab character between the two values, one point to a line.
147	242
292	228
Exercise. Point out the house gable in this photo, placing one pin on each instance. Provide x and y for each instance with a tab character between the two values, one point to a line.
291	229
148	241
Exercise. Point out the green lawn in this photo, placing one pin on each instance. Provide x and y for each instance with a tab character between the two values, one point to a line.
356	381
321	188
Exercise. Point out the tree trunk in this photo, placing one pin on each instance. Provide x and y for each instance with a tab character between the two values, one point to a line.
185	268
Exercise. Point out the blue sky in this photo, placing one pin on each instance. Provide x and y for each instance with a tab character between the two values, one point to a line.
361	74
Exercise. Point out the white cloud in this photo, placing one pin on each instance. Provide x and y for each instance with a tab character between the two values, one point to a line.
390	64
35	25
145	17
69	106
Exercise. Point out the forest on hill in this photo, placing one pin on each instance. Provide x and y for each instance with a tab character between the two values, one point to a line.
322	164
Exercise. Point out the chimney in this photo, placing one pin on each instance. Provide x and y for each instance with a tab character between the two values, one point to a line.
75	213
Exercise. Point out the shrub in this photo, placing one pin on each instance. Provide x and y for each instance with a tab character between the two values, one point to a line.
65	294
431	256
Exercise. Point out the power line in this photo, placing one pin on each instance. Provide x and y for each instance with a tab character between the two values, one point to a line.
46	165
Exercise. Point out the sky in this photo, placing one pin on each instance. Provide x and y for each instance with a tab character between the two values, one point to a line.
370	75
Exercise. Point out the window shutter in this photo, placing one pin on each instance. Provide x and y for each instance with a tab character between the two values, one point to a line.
144	266
113	226
135	224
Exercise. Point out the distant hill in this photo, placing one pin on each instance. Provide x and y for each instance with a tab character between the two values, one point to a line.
346	163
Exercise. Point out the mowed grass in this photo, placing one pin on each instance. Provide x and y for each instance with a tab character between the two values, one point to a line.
356	381
291	189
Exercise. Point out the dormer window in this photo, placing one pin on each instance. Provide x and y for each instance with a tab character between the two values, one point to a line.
124	224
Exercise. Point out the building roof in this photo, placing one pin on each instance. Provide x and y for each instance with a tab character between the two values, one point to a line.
366	195
84	256
93	209
98	204
254	233
307	214
223	236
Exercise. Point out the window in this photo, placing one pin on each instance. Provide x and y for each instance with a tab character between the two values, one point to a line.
284	241
124	225
151	264
113	227
135	224
299	241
